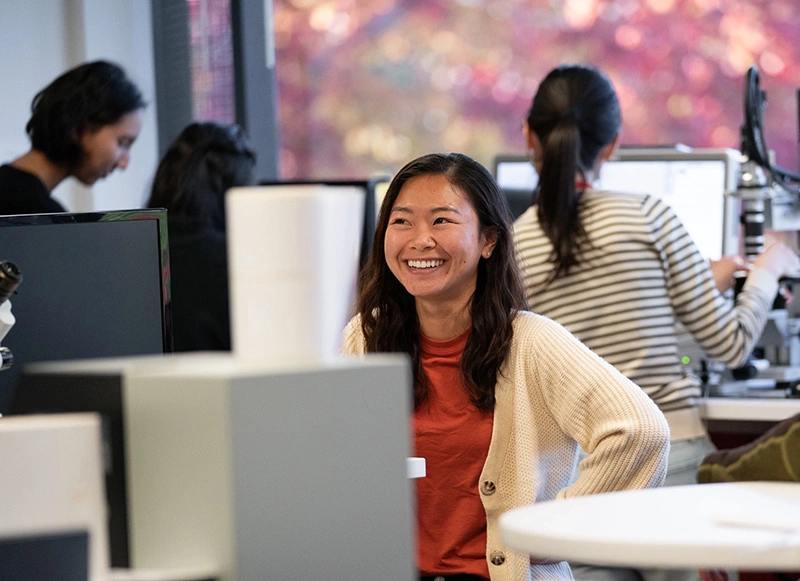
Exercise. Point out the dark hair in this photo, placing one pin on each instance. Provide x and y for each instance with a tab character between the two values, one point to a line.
575	113
388	315
203	162
82	99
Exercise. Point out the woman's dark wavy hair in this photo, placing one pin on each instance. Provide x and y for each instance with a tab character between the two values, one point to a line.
83	99
388	314
575	113
203	162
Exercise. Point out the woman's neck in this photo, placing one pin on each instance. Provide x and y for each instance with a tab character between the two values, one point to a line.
589	177
37	163
443	322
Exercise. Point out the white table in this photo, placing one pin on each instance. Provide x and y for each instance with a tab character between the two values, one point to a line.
752	526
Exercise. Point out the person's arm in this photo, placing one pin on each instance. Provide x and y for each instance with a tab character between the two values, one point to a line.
724	270
725	331
625	434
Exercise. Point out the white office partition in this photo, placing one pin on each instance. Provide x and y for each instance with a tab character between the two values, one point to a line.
51	484
293	256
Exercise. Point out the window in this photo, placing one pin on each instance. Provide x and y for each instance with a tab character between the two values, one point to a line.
210	38
366	85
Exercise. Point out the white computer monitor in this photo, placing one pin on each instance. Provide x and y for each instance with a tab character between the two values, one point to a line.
696	183
515	172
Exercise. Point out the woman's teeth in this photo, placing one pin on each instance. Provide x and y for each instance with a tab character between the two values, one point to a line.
425	263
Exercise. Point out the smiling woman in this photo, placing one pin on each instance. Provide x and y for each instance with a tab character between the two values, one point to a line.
502	397
82	125
434	242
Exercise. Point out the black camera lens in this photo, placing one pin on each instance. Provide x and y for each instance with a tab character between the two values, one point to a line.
10	277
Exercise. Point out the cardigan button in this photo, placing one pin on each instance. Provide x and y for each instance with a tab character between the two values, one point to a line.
497	557
488	488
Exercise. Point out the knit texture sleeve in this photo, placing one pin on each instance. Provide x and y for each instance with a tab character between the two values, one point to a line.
726	332
353	338
624	432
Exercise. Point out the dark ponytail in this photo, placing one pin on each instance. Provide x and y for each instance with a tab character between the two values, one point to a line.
575	113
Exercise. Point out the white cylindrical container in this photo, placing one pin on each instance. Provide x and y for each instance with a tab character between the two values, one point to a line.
293	255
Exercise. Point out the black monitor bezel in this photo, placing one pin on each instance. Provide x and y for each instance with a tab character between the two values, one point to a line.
158	214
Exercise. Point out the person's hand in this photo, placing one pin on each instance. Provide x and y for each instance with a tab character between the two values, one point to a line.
713	575
724	268
779	260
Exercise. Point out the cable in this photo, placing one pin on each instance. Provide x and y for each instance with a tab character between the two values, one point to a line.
753	143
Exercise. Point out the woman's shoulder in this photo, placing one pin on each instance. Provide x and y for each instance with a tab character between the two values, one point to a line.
353	338
620	209
605	198
14	177
538	343
529	326
526	225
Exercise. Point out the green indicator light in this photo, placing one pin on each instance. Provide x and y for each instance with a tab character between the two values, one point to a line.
685	360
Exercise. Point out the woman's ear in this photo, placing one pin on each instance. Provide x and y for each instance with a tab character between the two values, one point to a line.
531	139
534	146
610	149
489	243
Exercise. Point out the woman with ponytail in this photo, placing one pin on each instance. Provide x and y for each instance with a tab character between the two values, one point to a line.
204	162
619	270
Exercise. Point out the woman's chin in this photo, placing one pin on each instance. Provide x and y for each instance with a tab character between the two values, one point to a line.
89	180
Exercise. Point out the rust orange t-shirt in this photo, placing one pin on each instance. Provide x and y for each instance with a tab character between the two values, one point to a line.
453	436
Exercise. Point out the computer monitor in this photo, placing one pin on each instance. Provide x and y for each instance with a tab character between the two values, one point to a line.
93	285
517	178
696	183
49	557
374	190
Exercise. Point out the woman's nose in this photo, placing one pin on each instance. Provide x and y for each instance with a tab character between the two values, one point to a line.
123	160
422	239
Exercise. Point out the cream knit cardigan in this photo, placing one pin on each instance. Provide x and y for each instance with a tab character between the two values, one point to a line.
553	392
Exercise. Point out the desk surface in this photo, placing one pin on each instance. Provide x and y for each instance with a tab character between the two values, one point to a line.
752	526
749	409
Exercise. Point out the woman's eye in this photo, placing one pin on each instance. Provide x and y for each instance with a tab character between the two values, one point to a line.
441	221
398	221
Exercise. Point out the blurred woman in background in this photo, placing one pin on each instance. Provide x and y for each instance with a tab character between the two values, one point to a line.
82	125
204	162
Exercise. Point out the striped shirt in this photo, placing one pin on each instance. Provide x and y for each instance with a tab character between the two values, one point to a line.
640	274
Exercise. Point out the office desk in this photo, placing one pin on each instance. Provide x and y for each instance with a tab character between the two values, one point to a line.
751	526
733	421
735	409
